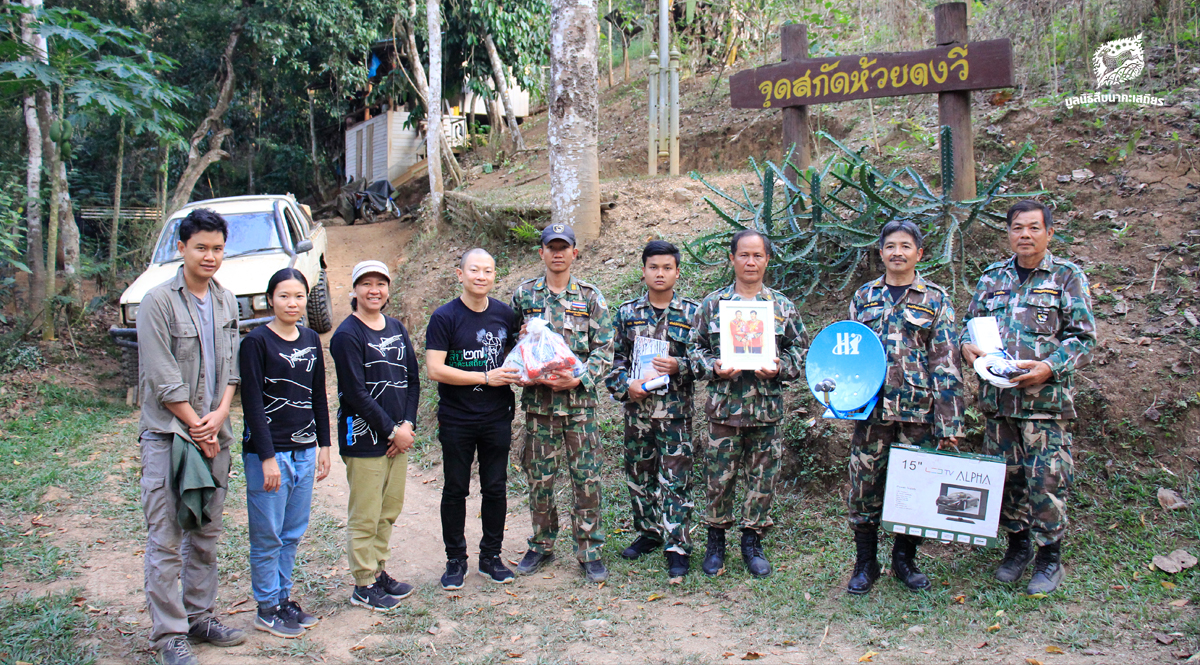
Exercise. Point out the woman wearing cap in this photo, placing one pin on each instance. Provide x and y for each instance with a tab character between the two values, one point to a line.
378	389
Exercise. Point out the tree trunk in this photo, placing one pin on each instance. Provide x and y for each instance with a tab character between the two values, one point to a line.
610	53
316	160
470	120
495	123
501	83
45	116
213	124
164	171
625	55
433	111
420	81
574	115
114	236
34	256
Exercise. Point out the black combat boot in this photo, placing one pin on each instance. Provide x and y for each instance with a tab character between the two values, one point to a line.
1016	557
714	552
1048	570
866	562
904	563
752	554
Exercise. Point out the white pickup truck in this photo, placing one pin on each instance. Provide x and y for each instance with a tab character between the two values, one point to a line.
266	233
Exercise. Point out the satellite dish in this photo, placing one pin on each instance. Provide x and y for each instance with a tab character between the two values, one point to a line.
845	369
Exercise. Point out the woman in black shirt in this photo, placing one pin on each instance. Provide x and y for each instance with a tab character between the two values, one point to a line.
287	422
378	389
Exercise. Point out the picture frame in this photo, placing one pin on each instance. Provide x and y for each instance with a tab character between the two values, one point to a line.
747	334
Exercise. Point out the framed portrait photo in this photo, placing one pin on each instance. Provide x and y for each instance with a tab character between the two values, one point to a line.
747	333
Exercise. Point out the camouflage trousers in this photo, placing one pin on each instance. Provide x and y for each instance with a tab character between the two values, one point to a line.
869	449
550	441
658	471
1040	471
756	450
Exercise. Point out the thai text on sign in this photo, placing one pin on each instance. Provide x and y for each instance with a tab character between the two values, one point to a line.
971	66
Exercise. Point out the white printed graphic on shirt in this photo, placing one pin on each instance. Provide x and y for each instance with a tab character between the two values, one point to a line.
358	425
273	403
300	355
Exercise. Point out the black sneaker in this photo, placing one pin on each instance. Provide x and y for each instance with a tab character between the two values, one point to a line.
641	546
210	630
456	572
394	588
272	619
594	571
533	562
292	609
177	651
373	597
492	568
678	564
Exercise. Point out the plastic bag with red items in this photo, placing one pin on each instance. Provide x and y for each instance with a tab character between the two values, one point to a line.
542	351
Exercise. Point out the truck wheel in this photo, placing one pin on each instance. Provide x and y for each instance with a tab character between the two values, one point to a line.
320	316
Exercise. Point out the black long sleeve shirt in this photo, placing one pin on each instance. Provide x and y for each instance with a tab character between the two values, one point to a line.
283	392
378	384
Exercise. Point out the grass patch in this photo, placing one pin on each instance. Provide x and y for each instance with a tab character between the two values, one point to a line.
39	450
44	630
56	445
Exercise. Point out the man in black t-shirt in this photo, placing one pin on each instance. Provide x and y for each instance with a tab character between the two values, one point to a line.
465	344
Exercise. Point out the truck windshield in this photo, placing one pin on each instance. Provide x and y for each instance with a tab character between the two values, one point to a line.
248	232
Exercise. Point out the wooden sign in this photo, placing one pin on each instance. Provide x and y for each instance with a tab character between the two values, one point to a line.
968	66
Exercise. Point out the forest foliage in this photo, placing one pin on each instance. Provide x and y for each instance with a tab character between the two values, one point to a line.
302	68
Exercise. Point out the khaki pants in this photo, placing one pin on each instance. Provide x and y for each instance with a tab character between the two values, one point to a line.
174	555
376	500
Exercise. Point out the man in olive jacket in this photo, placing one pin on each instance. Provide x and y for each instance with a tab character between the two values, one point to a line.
188	371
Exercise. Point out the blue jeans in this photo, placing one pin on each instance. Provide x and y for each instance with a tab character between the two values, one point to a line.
277	520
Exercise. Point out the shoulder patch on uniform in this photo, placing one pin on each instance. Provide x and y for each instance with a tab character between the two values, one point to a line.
998	264
922	308
692	301
936	287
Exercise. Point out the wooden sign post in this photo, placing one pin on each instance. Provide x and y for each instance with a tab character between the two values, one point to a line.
952	69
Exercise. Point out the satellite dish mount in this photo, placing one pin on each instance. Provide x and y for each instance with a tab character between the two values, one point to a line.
845	368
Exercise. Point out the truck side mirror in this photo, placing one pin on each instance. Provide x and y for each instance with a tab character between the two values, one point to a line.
304	246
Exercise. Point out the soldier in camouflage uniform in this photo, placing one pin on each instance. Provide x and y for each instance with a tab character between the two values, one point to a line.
744	408
920	403
1044	311
560	409
658	425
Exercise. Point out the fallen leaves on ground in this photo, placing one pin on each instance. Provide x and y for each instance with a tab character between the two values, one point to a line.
1178	603
1163	638
866	657
993	628
1032	661
1169	499
1054	649
752	655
